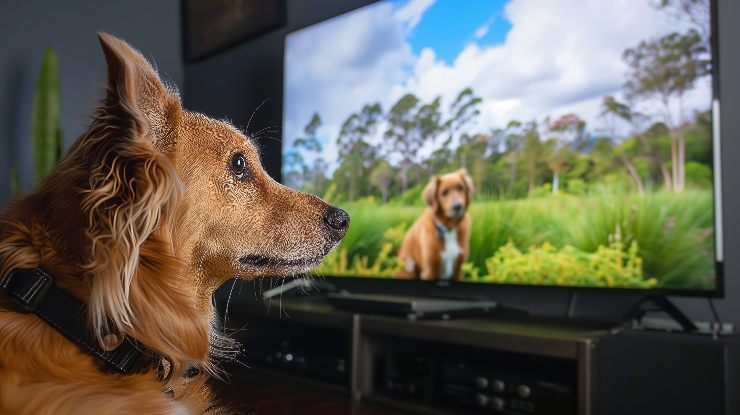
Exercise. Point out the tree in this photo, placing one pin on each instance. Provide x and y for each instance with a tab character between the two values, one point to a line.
310	142
409	127
664	70
355	154
307	178
471	150
298	173
568	131
381	177
513	142
294	169
532	150
694	12
463	110
613	111
318	176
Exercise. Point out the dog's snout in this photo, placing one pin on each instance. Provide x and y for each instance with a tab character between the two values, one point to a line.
457	205
337	220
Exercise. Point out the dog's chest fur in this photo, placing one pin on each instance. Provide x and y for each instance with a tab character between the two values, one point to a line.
450	251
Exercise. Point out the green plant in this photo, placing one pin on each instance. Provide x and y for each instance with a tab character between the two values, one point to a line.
613	265
46	134
14	186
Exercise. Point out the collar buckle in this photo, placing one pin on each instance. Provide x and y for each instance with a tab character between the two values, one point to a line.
26	287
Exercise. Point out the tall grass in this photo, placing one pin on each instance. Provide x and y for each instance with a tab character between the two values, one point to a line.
674	232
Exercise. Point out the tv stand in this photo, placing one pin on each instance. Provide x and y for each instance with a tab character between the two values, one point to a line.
659	303
452	366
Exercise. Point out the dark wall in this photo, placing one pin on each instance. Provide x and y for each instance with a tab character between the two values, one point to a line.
235	82
27	27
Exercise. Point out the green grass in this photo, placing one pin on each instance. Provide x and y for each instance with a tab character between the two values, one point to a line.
672	234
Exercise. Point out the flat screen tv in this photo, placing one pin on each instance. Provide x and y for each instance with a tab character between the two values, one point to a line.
532	142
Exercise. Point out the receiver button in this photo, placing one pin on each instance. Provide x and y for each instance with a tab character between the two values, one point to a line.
498	386
481	382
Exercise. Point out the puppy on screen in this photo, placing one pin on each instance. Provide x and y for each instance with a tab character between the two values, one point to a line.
436	245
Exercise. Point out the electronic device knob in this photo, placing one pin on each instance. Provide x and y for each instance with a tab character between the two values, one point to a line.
499	386
498	404
523	391
481	382
483	400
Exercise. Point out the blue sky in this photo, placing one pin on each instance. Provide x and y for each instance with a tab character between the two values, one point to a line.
448	28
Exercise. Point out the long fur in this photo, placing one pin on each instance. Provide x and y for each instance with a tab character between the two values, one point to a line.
102	224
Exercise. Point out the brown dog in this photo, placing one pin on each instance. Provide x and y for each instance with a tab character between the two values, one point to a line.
147	213
436	245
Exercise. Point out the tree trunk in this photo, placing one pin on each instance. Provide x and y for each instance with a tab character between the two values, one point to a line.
667	181
512	171
674	162
681	147
633	174
404	176
681	161
555	182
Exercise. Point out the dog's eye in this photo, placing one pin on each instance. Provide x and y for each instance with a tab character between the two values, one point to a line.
238	166
460	188
445	192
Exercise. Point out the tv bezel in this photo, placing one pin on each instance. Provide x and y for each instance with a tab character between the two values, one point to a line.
454	288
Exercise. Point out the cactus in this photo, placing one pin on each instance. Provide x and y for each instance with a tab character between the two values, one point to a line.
46	134
14	187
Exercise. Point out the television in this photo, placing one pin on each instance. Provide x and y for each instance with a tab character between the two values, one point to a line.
565	143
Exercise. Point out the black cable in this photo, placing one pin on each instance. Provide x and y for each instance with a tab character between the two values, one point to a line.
572	304
717	321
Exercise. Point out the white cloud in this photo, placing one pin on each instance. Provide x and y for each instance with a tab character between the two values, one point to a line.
335	75
410	14
484	28
558	57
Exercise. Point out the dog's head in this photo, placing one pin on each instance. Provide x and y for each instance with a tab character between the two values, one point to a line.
449	195
172	204
233	219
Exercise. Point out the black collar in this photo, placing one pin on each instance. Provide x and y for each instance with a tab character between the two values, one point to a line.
35	292
440	230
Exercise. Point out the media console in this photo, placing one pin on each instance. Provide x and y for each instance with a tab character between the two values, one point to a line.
488	365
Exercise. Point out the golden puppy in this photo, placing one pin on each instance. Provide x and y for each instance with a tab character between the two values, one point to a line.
147	213
436	245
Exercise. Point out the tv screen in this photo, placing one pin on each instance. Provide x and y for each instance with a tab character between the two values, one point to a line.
559	143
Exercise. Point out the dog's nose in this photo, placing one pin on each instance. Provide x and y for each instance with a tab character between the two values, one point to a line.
338	221
457	206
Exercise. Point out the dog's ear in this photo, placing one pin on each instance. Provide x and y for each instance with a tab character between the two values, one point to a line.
130	202
468	183
430	193
134	84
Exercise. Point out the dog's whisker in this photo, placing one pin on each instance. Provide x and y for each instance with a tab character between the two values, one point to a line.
268	136
228	302
265	130
255	111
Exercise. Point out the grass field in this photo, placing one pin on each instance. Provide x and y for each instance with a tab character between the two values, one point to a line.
604	239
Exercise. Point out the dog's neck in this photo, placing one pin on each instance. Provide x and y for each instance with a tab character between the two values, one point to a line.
448	223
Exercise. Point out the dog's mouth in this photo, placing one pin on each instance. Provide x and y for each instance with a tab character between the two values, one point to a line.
263	261
267	262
